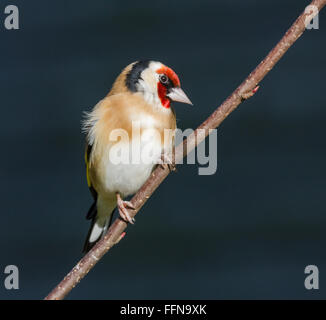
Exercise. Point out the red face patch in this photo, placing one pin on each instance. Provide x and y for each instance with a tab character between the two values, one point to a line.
171	74
162	91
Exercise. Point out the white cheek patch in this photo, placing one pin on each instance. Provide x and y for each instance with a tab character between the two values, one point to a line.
147	85
148	81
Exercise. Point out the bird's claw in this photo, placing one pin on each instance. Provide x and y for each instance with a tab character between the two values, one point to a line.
122	207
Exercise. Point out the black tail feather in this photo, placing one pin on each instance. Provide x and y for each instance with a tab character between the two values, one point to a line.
89	245
92	213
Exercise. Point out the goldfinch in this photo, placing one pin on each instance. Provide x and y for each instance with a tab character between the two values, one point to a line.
140	98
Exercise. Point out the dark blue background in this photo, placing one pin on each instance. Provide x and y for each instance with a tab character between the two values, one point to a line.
246	232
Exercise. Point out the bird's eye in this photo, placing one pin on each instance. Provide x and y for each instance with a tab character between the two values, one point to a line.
164	79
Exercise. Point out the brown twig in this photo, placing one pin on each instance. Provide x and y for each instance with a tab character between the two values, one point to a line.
243	92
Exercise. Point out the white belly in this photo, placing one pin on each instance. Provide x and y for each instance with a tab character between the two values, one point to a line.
126	178
128	166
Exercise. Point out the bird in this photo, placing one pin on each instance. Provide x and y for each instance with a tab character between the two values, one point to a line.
132	119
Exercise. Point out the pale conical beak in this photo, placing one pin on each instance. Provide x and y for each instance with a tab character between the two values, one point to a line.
177	94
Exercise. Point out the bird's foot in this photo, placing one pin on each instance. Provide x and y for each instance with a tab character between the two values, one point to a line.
122	207
166	161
